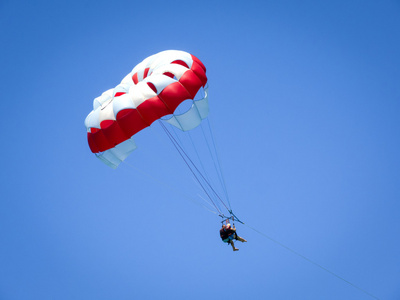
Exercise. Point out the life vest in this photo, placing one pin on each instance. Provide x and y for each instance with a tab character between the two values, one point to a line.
225	233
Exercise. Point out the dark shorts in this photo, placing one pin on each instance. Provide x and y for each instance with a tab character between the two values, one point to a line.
230	238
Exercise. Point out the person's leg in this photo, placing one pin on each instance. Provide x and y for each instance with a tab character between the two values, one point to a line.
240	239
233	246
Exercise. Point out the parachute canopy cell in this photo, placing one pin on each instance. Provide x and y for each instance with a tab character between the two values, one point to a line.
154	89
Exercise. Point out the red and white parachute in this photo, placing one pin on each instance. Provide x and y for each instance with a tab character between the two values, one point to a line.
154	89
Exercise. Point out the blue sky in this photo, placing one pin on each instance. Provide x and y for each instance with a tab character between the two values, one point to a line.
304	100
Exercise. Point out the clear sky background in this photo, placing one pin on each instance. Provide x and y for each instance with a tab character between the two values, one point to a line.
305	102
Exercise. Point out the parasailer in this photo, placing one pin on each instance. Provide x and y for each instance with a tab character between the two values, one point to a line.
228	234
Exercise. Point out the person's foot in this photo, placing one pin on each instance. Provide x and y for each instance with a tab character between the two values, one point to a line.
236	249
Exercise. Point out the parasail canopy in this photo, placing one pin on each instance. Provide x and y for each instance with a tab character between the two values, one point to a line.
152	90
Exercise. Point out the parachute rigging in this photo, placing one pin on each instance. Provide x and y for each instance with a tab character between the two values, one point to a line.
157	89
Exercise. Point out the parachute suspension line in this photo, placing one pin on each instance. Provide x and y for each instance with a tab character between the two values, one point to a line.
160	182
171	188
180	151
312	262
218	162
198	157
181	145
204	171
202	96
214	154
174	130
160	139
190	163
187	160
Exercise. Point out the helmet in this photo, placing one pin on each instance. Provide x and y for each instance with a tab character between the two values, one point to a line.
228	225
